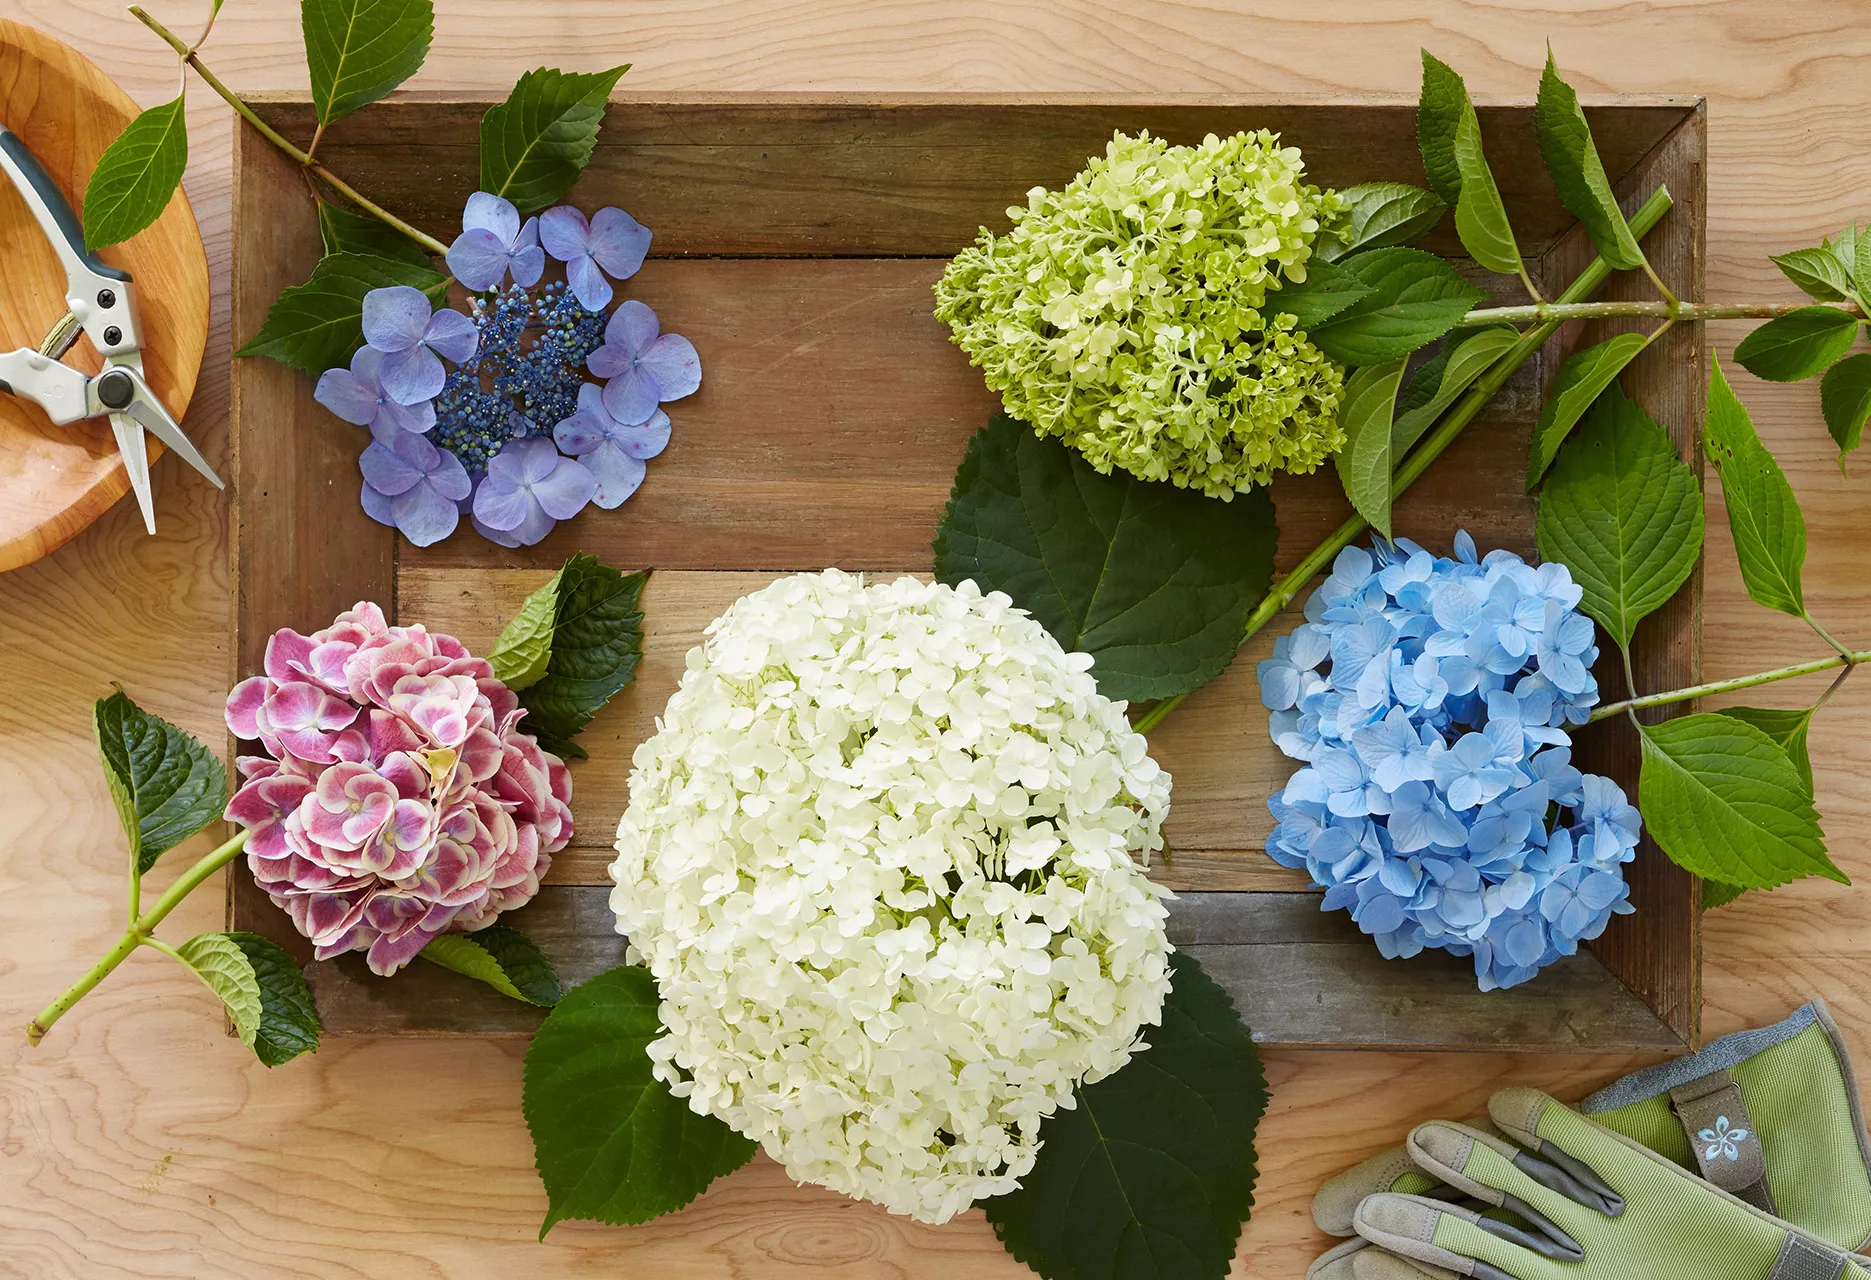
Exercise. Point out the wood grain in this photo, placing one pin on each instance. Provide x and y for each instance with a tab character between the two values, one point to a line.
140	1142
56	480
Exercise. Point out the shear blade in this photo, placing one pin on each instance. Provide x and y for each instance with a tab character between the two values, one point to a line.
158	423
135	453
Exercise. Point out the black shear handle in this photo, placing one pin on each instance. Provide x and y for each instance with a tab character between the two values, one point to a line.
23	164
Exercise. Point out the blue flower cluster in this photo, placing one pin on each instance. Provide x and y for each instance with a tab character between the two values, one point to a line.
514	435
1429	699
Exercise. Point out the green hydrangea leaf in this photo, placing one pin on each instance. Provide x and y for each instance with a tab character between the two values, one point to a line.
1716	894
1788	727
596	643
536	143
357	51
1151	1174
1798	345
1818	272
1861	265
1378	214
1326	291
1624	513
137	176
1763	515
289	1024
220	962
1438	115
165	784
1572	158
1366	461
342	231
1415	298
1154	581
1845	400
520	655
1480	217
505	959
1581	379
1725	802
1465	356
318	325
609	1139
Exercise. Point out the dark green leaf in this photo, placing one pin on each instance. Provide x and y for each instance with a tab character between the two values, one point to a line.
1151	1174
1480	217
520	654
1724	801
1818	272
345	232
1581	379
1799	344
1438	115
1763	515
1414	298
1379	214
1464	357
357	51
318	325
136	176
289	1023
1155	582
1623	513
1786	727
220	963
597	641
1716	894
166	785
1572	158
505	959
536	143
1845	399
1366	460
1326	291
610	1141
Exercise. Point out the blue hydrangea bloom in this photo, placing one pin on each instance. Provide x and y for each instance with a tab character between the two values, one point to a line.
1429	699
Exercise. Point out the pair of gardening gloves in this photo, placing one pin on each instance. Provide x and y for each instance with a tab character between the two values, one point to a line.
1746	1161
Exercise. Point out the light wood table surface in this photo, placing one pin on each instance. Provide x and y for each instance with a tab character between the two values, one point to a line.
139	1141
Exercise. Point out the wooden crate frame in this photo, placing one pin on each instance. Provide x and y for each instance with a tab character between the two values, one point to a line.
797	237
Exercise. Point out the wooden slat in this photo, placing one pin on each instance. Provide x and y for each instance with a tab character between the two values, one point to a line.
863	175
300	548
1301	978
832	415
1657	951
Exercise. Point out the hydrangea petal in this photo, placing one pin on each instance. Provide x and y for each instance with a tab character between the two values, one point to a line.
395	318
387	471
479	259
587	283
616	474
564	233
632	396
564	492
424	515
619	242
451	334
340	391
673	362
413	374
492	214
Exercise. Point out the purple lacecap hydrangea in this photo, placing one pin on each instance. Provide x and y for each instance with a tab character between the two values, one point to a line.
1429	699
515	420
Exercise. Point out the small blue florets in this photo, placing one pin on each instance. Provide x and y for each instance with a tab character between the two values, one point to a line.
1429	699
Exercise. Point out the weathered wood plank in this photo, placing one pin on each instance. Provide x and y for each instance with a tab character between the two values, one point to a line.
865	175
1300	977
1657	951
834	411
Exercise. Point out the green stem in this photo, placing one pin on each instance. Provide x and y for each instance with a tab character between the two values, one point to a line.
139	933
1846	659
303	159
1451	426
1541	312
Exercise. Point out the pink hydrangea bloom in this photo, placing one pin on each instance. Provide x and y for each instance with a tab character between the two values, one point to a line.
397	799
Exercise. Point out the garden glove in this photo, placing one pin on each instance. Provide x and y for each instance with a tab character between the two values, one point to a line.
1782	1098
1593	1204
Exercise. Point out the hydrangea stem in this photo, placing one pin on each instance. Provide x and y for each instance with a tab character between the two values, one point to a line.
302	158
139	932
1541	312
1847	659
1451	426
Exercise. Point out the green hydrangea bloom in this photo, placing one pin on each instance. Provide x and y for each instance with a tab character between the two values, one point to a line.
1124	314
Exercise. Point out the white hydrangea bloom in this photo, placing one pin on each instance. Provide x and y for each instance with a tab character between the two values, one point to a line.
884	857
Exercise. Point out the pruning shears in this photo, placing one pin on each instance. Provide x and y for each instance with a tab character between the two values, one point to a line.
100	303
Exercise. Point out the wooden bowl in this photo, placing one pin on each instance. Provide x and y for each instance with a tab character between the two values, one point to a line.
56	480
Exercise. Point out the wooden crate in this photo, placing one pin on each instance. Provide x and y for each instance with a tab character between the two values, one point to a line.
797	238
